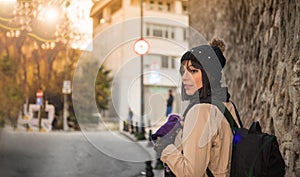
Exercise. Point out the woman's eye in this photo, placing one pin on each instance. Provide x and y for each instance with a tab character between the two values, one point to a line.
193	71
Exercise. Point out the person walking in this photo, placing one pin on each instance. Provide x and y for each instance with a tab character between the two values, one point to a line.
203	145
169	103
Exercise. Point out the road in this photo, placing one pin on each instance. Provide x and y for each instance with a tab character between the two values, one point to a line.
69	154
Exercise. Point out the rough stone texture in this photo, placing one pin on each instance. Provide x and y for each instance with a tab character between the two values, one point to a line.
263	68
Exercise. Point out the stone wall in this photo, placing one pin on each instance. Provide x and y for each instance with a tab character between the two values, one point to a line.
263	68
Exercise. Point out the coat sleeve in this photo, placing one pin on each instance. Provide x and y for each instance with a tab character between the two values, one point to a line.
195	157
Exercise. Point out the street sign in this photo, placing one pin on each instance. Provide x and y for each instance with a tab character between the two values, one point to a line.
141	47
39	94
67	87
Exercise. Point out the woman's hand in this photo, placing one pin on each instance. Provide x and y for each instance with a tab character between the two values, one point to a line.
162	142
172	121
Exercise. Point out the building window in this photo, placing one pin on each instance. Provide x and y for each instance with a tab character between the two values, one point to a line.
160	6
185	7
172	35
162	31
185	34
164	61
168	62
158	33
169	7
155	61
147	31
173	62
151	5
166	34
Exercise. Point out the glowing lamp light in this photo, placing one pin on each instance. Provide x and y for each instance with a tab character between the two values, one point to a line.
49	14
141	47
102	21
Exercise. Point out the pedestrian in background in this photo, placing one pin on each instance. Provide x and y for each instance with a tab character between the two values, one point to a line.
203	146
169	103
129	120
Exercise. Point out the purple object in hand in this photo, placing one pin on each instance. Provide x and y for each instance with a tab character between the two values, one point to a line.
173	119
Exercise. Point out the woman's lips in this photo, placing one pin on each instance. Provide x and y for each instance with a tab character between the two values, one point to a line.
187	86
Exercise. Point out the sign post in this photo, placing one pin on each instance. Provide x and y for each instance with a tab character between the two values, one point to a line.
67	89
141	47
39	101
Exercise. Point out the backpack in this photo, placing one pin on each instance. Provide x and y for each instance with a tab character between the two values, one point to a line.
254	153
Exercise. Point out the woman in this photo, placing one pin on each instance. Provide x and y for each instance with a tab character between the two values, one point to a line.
206	138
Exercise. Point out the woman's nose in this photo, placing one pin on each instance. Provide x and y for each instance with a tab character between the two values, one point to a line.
185	75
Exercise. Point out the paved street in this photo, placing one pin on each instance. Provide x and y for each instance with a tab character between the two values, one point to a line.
70	154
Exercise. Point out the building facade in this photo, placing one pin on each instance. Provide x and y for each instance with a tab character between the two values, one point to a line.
117	26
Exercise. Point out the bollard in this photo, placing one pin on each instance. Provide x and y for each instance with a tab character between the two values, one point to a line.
128	126
150	139
124	126
136	128
149	172
150	134
131	127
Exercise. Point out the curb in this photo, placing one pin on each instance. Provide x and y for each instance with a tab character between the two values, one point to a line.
136	141
128	136
157	172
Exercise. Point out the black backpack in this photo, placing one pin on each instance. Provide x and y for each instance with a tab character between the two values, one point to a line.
254	153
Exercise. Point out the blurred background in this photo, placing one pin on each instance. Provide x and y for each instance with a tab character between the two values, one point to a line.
43	43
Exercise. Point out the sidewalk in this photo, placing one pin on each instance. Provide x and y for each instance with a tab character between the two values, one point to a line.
148	147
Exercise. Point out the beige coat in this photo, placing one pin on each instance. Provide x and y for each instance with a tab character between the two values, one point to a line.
206	141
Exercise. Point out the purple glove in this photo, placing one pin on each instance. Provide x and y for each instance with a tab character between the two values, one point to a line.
173	119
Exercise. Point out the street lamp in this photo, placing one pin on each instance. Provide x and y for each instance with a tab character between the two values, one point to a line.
142	76
141	47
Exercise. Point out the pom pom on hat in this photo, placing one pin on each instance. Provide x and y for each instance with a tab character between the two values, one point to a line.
219	46
218	43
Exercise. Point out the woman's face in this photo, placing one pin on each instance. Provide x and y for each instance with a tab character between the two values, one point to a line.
191	77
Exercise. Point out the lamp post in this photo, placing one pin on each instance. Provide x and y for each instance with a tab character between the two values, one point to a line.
142	75
141	47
